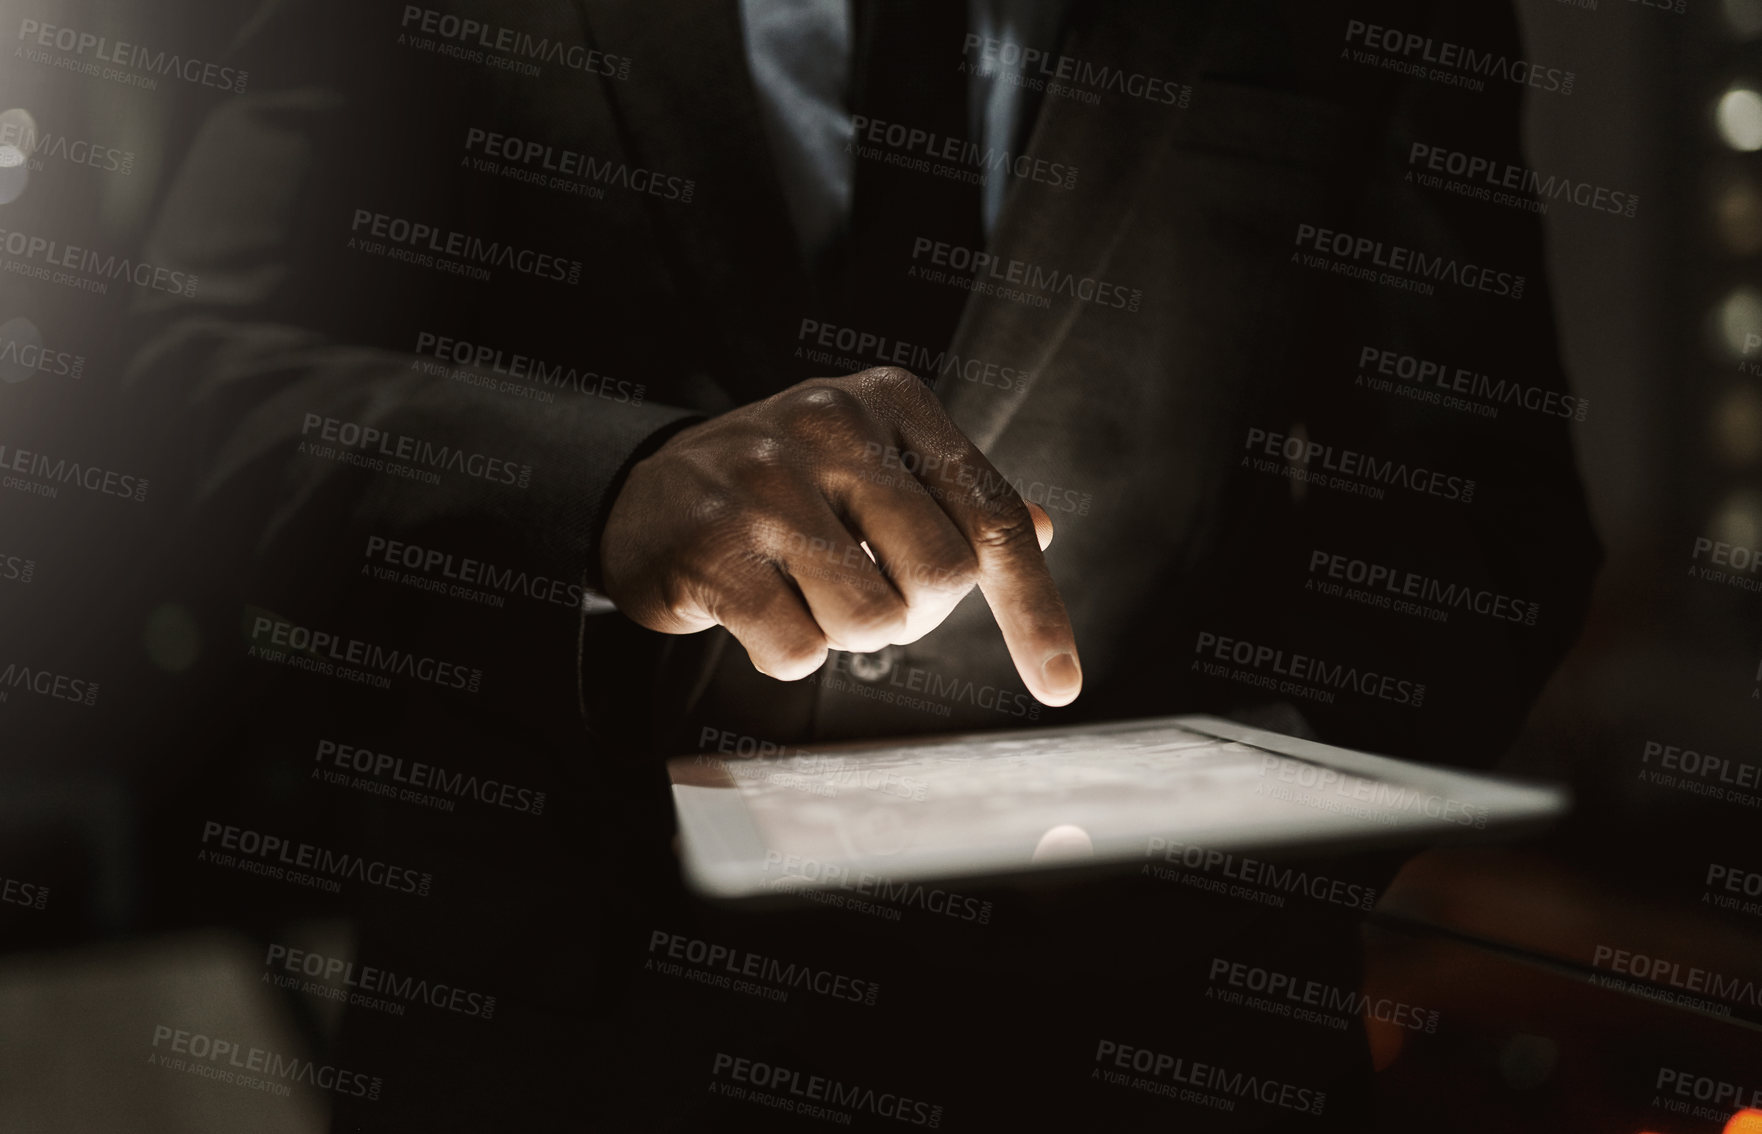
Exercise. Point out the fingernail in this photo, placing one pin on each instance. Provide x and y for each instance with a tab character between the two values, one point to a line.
1061	675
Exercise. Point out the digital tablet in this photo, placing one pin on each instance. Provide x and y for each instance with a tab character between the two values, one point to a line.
977	806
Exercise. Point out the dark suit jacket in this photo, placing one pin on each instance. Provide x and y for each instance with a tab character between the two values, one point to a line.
1144	428
1135	426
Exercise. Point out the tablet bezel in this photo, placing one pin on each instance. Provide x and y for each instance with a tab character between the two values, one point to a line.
723	853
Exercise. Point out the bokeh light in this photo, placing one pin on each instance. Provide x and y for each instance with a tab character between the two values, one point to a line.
1746	1121
1740	118
1744	17
1739	519
1738	320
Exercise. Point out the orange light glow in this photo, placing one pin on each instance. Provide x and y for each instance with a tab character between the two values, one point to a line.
1746	1121
1386	1040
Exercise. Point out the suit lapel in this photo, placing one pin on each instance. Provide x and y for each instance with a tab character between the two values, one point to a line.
689	108
1115	146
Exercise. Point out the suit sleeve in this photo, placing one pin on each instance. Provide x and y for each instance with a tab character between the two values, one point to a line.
295	427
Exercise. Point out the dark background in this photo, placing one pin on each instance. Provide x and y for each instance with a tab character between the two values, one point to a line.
1653	312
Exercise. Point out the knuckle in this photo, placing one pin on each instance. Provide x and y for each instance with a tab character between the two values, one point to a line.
683	602
892	380
1002	522
739	537
955	570
820	419
680	601
880	464
960	452
878	613
795	659
739	573
736	473
713	510
900	388
821	400
949	565
870	624
726	583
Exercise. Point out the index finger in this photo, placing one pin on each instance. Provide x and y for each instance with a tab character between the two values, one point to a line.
1013	575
